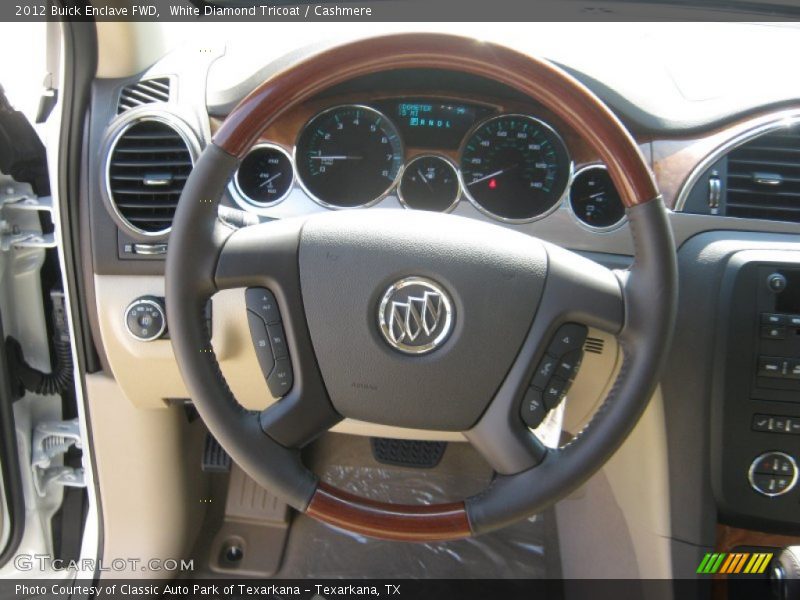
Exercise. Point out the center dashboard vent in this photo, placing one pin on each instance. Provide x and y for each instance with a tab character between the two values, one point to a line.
763	179
147	168
147	91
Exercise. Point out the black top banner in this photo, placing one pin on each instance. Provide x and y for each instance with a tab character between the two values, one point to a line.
398	10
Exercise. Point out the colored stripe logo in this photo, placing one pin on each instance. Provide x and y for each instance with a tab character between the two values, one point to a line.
734	562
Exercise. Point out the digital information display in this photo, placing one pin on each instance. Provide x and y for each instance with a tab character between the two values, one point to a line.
433	123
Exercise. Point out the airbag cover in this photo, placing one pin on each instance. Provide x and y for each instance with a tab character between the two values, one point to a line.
493	276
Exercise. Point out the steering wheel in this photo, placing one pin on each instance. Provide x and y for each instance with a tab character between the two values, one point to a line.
341	281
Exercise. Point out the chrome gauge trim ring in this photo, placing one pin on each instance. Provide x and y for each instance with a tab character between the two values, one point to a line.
447	161
581	222
564	193
393	184
243	200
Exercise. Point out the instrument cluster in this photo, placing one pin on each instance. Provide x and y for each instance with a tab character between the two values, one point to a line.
513	167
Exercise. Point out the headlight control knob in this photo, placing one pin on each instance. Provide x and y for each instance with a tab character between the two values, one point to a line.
145	318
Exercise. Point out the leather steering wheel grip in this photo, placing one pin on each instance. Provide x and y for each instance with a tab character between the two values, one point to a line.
649	288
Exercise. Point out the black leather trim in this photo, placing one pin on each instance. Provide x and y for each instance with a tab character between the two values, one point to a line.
195	243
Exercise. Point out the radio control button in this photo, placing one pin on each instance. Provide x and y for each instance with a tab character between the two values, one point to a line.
773	333
772	366
773	319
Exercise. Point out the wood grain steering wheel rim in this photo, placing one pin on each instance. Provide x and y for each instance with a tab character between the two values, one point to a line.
581	110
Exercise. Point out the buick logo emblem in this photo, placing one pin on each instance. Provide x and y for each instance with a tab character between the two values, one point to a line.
415	315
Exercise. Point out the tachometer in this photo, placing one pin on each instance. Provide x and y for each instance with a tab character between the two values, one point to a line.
515	167
348	156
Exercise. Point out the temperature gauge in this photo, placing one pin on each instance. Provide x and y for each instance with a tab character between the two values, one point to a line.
429	183
265	176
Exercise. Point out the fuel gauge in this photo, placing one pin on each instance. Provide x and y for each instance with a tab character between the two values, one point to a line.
594	199
265	176
429	182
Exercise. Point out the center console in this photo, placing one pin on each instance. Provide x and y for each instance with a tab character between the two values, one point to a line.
756	413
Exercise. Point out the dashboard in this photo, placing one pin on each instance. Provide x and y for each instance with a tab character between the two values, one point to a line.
430	153
438	141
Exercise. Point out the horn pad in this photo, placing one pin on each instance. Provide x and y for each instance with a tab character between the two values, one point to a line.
416	318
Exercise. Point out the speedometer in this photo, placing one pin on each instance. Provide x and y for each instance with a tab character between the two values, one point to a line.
348	156
515	167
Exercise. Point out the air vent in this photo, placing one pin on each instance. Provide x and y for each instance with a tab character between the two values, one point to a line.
764	177
143	92
594	345
147	169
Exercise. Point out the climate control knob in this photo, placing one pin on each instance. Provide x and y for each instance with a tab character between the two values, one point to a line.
145	318
773	474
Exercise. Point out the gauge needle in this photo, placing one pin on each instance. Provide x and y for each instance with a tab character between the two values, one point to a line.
425	179
495	174
336	157
270	180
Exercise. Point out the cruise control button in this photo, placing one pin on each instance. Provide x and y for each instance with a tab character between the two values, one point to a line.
258	331
262	302
545	371
553	392
277	339
794	426
569	364
794	320
281	379
569	336
532	410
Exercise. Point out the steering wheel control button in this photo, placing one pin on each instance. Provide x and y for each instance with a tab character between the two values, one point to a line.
145	318
545	371
277	339
569	364
262	302
415	315
554	392
532	410
773	474
569	336
281	379
269	339
258	331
